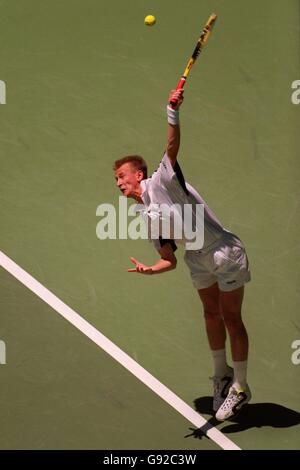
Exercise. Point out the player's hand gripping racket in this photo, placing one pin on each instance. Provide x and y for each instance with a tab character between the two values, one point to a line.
198	49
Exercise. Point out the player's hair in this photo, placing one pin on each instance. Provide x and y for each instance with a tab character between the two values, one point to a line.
136	161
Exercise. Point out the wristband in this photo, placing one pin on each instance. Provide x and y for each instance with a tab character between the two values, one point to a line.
173	116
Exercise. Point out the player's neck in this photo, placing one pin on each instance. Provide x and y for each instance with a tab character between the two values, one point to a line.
138	199
138	195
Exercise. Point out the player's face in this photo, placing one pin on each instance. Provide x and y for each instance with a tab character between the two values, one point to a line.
128	180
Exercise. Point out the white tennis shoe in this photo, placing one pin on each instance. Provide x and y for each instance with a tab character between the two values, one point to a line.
235	401
221	388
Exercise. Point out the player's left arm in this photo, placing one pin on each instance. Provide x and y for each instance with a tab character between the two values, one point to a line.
173	135
167	262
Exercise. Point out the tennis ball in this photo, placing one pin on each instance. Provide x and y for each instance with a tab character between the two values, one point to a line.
150	20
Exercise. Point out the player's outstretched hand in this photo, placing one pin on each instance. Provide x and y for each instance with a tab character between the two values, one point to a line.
177	97
140	268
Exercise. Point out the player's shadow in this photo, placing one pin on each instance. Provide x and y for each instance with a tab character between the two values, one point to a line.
254	415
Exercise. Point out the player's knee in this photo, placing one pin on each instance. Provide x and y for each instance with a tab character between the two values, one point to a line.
211	314
233	323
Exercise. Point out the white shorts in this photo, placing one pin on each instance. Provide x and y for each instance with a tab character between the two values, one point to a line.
225	262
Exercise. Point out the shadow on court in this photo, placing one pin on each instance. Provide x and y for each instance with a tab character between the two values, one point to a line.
253	415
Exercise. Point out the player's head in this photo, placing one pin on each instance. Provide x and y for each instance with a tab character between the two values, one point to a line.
129	172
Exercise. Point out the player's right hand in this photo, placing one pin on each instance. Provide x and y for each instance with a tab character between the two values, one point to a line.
177	96
140	268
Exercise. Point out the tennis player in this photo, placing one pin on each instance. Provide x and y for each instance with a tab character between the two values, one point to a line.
219	270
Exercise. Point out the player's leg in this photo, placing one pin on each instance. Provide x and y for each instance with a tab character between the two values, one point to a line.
231	308
214	323
216	334
239	393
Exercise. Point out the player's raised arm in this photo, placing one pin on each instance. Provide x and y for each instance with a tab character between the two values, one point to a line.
173	138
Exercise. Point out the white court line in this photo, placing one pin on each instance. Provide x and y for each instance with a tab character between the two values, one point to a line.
114	351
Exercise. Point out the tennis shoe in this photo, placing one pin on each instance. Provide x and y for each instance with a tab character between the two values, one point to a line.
221	387
235	401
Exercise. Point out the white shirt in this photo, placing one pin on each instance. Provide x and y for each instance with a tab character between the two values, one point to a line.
167	186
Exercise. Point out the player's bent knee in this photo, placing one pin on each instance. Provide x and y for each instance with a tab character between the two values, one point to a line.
210	315
234	323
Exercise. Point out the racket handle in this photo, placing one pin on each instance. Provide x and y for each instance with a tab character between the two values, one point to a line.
180	85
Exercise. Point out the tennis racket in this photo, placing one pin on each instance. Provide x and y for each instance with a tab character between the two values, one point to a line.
198	49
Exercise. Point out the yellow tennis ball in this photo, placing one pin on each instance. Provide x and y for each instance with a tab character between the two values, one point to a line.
150	20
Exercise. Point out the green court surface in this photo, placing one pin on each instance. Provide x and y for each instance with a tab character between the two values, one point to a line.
86	83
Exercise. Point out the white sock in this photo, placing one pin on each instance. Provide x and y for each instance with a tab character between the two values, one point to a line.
220	364
240	374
